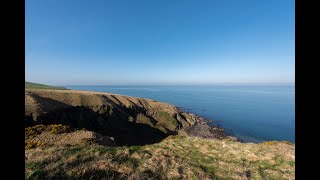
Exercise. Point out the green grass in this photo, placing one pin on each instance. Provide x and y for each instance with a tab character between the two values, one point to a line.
176	157
165	120
30	85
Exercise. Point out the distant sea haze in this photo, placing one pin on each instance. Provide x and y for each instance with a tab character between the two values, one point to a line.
251	113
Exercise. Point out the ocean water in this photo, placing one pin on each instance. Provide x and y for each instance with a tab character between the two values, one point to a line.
251	113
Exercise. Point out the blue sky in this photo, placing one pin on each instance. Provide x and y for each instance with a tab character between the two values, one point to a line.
159	42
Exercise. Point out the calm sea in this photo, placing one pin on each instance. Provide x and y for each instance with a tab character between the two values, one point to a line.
251	113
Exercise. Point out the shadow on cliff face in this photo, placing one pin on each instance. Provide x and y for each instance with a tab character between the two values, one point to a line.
109	120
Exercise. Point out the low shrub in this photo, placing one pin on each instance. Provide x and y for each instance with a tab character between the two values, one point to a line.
59	128
31	132
32	144
270	142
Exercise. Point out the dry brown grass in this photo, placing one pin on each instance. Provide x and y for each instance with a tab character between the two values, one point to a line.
88	99
176	157
61	135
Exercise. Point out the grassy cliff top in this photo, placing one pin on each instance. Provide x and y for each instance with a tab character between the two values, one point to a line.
30	85
130	120
176	157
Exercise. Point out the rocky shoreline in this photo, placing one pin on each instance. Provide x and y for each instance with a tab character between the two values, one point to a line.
201	128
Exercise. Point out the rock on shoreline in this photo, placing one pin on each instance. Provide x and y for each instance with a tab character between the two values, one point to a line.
201	128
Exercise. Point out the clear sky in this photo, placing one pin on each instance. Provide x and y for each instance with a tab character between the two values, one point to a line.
159	42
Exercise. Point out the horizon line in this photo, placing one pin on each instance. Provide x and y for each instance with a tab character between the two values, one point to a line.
215	84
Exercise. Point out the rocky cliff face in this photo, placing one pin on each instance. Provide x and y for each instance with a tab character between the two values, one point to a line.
130	120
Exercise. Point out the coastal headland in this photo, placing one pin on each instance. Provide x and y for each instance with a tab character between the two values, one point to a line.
73	134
